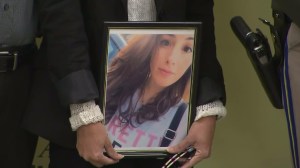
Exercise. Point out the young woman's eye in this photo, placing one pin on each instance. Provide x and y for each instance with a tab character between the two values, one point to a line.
187	49
165	42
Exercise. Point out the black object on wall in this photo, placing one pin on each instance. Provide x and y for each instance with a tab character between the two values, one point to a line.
259	53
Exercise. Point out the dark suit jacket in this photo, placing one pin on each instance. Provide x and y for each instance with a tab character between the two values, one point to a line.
63	77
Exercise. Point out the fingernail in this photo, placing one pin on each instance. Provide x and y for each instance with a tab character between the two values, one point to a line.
169	149
121	156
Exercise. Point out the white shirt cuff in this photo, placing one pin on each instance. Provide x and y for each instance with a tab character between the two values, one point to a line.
84	114
214	108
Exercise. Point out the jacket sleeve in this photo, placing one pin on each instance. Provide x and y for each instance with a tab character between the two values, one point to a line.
210	81
66	50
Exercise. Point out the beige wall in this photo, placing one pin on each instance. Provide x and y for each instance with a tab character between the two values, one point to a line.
254	134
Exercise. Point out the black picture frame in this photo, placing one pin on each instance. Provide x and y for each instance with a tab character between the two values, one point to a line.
123	92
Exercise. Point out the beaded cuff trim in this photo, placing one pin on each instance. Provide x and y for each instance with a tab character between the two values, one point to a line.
84	114
214	108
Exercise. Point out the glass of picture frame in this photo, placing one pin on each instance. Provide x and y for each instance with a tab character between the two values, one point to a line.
148	79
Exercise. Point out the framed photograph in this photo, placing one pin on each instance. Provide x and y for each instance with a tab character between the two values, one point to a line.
149	79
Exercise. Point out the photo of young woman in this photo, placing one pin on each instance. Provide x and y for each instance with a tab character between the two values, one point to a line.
147	81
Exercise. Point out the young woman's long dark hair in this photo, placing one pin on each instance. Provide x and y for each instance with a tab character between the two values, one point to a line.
128	72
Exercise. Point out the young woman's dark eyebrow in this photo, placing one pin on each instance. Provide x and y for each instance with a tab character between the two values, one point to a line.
173	35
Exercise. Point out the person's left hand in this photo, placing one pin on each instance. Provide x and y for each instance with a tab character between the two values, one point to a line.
200	136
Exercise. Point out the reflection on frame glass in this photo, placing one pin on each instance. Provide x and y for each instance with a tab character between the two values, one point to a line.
149	84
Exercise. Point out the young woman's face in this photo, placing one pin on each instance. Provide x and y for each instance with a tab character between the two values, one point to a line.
172	59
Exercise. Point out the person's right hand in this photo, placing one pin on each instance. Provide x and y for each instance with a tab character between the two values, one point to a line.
92	140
